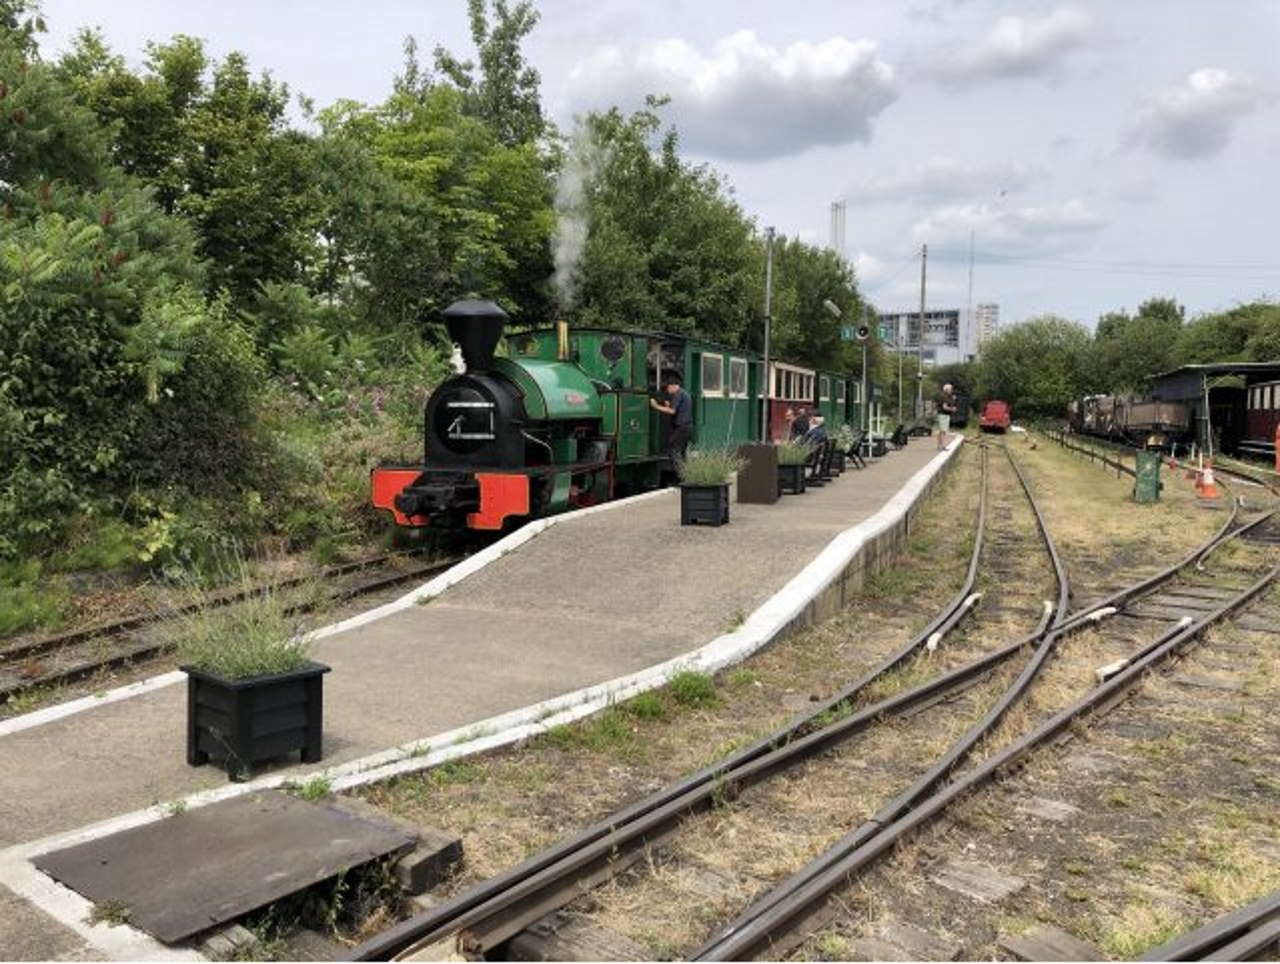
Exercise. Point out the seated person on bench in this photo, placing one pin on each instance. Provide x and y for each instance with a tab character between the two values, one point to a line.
817	433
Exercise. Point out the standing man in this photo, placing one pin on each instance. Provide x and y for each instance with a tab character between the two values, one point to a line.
946	408
680	408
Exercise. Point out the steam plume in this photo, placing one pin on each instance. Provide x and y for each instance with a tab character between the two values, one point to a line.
582	163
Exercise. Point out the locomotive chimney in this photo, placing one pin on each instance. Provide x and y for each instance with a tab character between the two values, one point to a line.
475	327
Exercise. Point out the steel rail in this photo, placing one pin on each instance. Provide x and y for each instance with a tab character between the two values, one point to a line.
148	649
491	896
723	940
38	647
1219	940
637	821
832	874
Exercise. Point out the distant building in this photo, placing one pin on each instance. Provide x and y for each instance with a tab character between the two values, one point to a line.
946	334
986	322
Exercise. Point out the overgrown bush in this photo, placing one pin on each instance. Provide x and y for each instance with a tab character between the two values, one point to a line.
709	467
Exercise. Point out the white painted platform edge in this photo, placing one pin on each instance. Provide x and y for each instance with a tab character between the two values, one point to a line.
761	627
428	590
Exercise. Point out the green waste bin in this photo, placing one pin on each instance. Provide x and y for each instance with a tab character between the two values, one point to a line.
1146	480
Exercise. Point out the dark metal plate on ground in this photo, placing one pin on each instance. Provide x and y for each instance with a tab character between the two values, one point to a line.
181	875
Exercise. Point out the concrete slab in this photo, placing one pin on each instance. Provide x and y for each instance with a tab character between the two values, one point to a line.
1197	681
977	881
1055	810
1049	943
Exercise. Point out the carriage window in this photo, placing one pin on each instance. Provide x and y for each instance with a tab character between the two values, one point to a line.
825	384
738	377
840	390
712	374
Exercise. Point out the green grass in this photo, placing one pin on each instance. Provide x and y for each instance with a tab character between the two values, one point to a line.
256	637
691	688
646	706
317	788
26	607
742	678
609	731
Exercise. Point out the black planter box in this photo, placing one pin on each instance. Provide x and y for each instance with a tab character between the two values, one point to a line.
837	462
791	479
704	505
242	722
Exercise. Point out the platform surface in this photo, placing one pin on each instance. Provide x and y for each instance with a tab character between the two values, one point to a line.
592	598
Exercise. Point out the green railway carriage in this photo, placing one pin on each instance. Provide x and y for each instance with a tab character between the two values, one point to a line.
562	419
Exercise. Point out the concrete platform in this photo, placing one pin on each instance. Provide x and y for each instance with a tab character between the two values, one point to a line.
588	600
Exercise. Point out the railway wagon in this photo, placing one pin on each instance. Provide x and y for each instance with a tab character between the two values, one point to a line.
995	417
562	419
790	387
1262	419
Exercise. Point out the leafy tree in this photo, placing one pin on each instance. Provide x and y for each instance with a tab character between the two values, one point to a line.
1129	350
100	317
504	94
466	212
667	247
1243	333
217	149
1037	365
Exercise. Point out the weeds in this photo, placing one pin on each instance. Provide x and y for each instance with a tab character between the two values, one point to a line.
317	788
691	688
113	913
646	706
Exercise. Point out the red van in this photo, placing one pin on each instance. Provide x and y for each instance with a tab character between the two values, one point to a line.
995	417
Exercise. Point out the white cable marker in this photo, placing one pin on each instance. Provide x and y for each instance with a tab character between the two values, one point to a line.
1098	615
965	606
1104	673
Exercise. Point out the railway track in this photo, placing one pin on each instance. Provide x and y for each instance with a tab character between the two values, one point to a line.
1242	935
495	910
81	653
484	917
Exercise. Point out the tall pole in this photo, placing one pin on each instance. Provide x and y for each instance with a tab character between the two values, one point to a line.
864	419
768	324
924	262
973	335
898	338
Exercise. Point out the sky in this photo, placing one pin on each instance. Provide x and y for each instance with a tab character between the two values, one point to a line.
1090	155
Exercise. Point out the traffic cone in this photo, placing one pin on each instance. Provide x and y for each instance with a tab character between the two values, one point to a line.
1208	488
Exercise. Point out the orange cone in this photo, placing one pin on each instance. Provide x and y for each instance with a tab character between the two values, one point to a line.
1208	488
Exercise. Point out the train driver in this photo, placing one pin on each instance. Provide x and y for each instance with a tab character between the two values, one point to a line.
680	408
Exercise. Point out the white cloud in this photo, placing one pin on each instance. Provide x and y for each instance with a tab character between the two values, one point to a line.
1004	232
943	179
746	99
1020	46
868	268
1196	117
